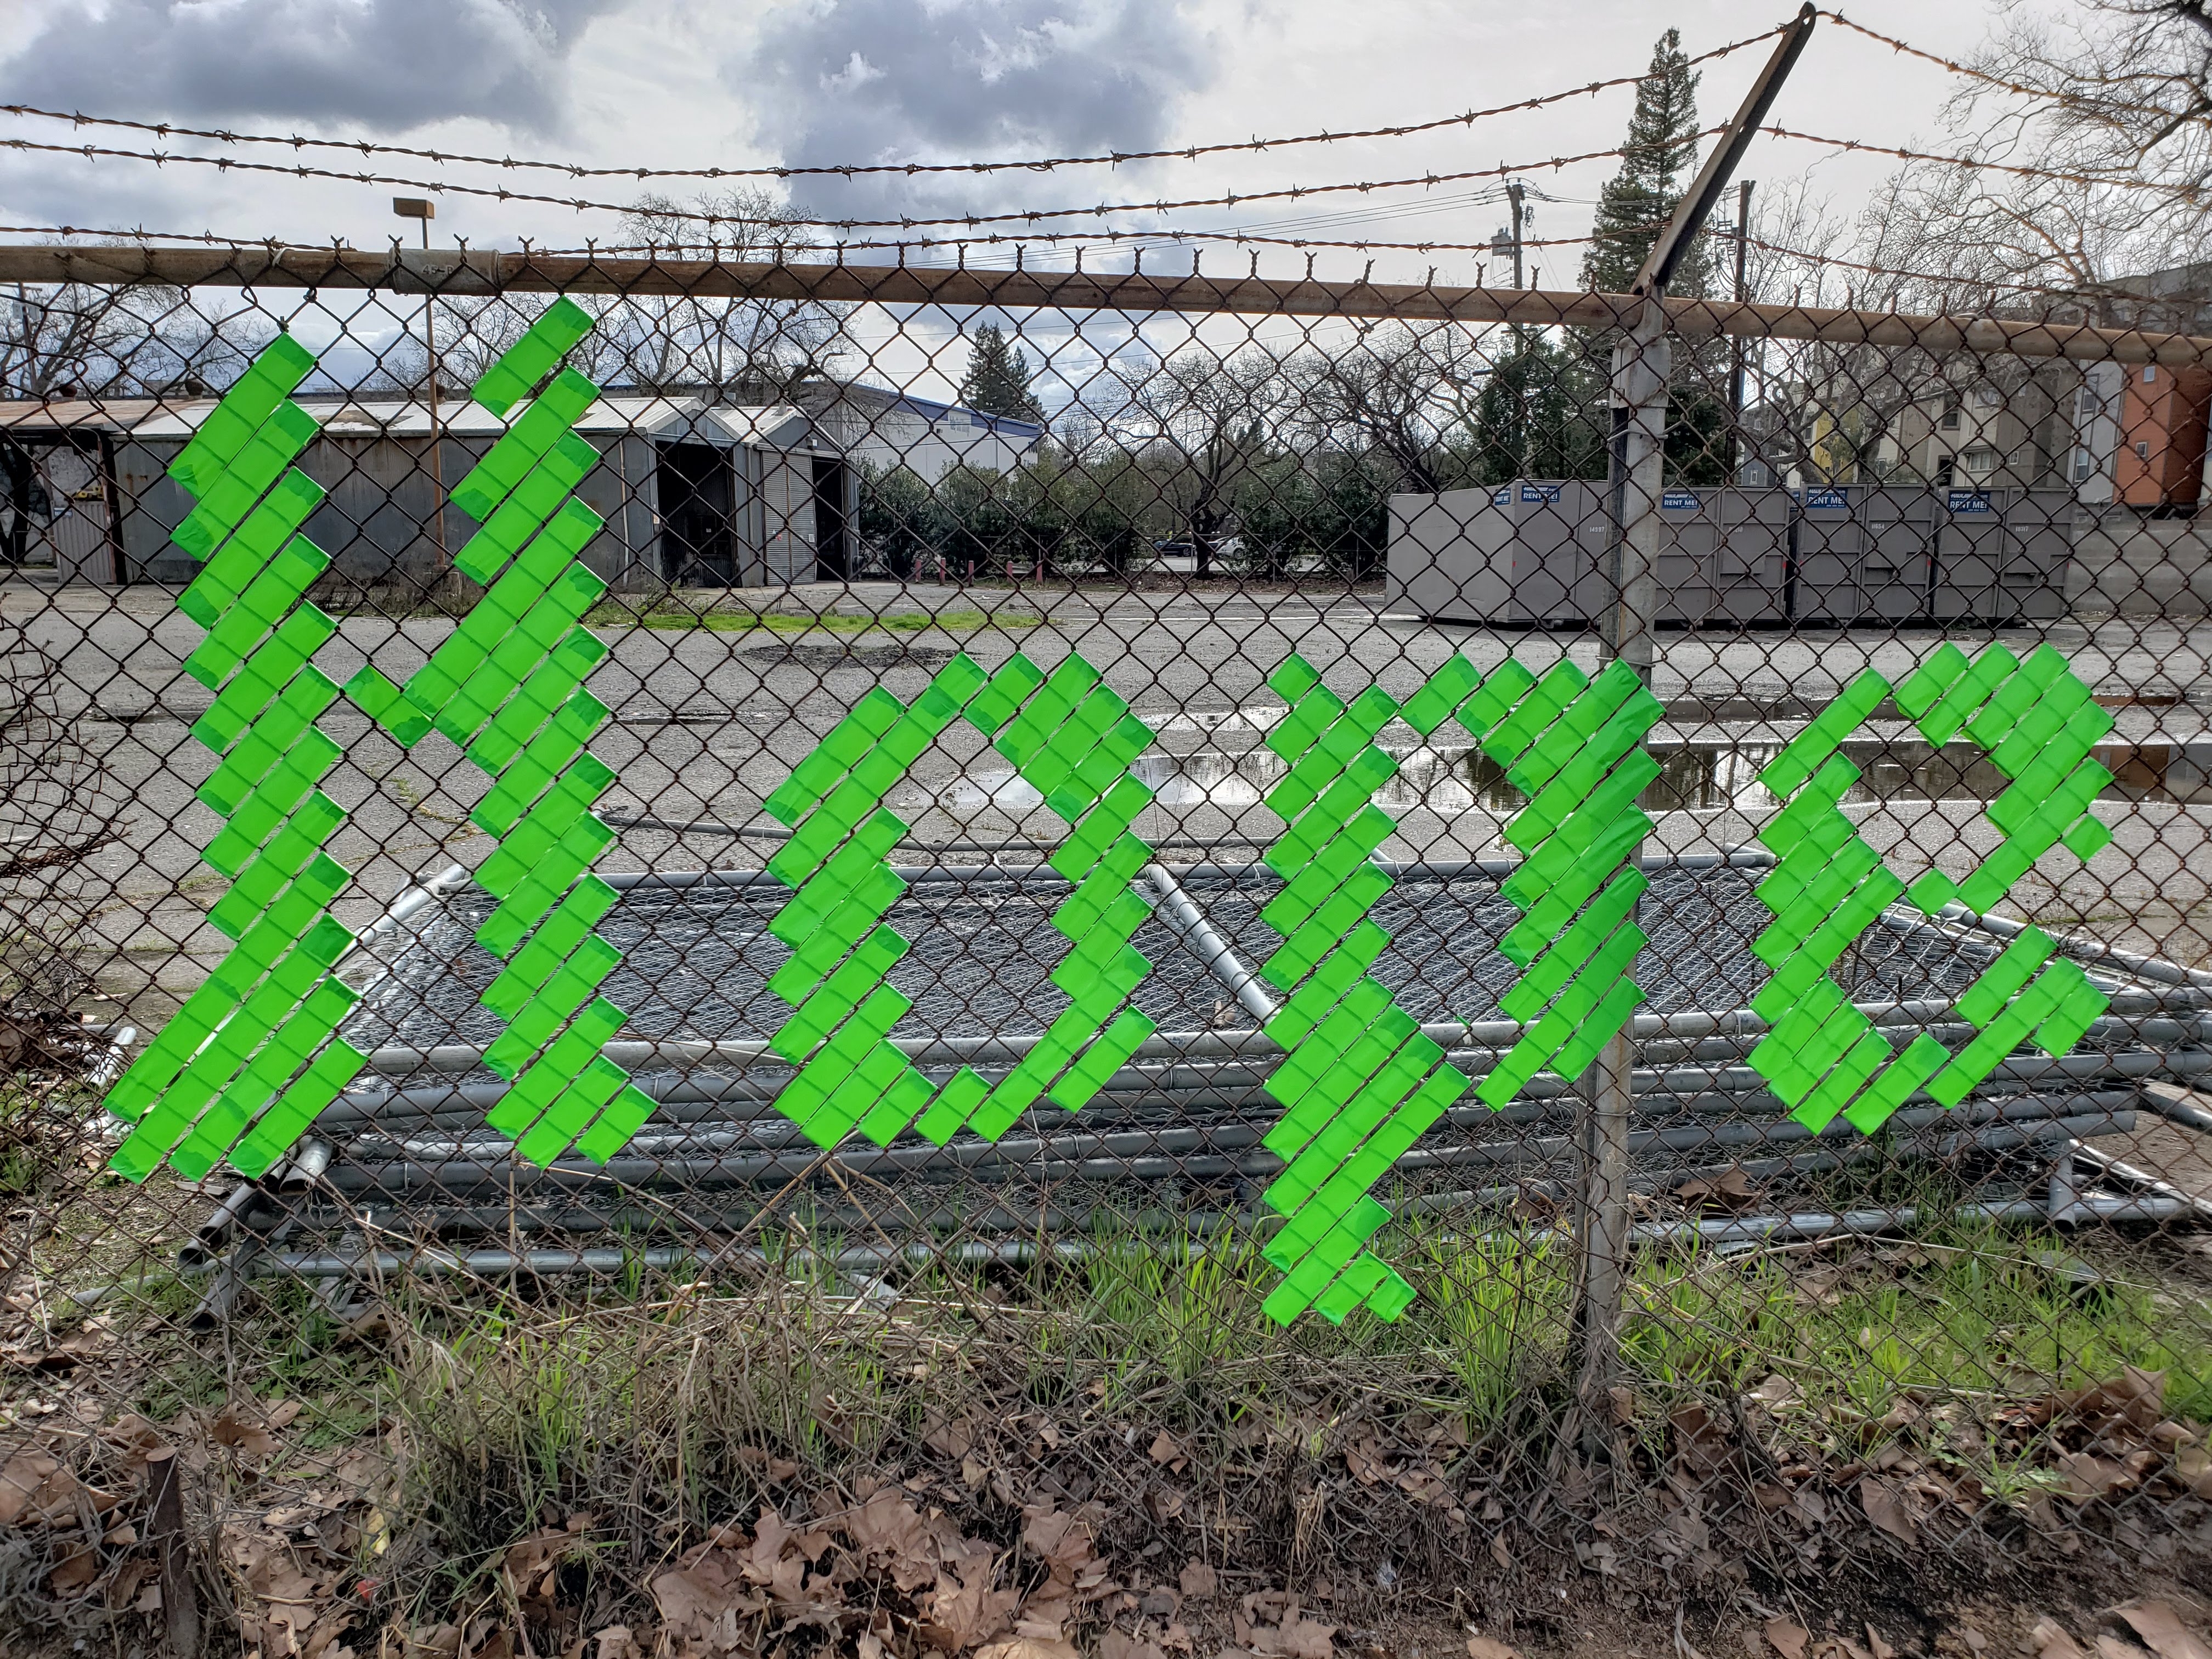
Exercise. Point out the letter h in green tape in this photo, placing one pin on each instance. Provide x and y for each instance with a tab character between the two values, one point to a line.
507	686
1067	735
252	1056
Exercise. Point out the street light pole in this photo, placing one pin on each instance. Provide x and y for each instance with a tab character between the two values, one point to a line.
422	210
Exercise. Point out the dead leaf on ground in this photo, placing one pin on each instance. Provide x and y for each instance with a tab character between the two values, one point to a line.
2051	1641
2158	1624
699	1612
242	1432
2111	1647
1119	1644
1029	1647
2090	1477
1729	1193
1886	1510
953	1437
1365	1461
2134	1397
965	1609
1788	1637
1489	1647
1700	1445
1198	1582
1295	1637
23	1480
1164	1450
77	1569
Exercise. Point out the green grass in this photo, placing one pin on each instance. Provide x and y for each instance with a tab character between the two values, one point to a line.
654	1398
613	614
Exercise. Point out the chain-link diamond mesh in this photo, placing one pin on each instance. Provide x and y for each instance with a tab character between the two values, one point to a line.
649	891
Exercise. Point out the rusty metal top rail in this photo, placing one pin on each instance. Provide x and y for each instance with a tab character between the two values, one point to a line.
489	271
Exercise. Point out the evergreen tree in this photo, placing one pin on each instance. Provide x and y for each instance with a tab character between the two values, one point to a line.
998	377
1535	416
1660	159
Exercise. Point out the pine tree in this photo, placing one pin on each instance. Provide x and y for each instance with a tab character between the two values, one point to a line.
1660	158
998	377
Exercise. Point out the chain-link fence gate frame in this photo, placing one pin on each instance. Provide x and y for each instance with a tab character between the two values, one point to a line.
1020	880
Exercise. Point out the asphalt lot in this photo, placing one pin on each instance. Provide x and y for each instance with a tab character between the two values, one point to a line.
708	721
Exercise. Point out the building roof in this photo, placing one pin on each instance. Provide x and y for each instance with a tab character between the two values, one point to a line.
88	415
778	427
931	409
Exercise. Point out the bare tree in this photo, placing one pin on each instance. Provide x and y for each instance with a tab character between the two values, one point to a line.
1398	391
1212	420
79	340
755	349
2114	105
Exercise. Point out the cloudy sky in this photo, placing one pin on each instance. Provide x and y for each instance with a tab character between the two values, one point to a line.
696	83
702	83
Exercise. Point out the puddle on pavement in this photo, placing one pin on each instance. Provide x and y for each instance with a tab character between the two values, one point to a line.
1450	780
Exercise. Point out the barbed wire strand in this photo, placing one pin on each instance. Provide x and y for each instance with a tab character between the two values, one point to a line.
1950	281
2190	193
2018	88
1028	215
1043	164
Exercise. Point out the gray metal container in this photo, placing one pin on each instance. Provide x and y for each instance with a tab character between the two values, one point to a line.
1527	553
1533	553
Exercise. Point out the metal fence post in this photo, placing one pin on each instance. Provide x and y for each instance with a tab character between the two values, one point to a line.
1641	361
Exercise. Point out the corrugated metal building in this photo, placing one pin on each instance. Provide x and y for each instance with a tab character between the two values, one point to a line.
692	492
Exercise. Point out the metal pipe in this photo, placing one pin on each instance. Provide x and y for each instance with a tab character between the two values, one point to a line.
1741	1230
1216	1151
2092	950
399	1060
2181	1111
490	272
1203	941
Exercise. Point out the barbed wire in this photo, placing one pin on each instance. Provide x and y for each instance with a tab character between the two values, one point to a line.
1138	241
712	255
2190	193
836	250
2019	89
1029	216
1043	164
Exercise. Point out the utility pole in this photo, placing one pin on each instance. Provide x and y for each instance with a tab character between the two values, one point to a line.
1514	192
423	209
1735	368
1642	369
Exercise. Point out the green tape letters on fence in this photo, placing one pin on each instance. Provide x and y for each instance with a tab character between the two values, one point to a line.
238	1063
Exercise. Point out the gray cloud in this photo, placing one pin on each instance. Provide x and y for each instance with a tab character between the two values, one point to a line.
839	80
385	64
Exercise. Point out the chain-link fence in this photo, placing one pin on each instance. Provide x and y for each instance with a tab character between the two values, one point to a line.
1436	924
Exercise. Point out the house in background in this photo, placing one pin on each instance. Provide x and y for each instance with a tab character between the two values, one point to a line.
695	492
880	428
2143	435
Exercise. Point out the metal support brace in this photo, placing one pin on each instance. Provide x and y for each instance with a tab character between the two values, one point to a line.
1641	361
